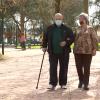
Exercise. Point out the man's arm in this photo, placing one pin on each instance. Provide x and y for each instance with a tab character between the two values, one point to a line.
70	38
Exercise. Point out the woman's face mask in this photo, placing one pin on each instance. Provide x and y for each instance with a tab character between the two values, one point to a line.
58	22
81	22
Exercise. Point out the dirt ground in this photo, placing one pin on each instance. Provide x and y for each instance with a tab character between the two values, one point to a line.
19	74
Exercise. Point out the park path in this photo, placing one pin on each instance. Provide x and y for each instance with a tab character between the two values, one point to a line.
19	72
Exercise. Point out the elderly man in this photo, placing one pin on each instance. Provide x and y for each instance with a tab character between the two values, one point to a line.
57	40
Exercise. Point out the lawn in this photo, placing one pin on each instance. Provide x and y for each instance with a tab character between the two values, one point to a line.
32	47
38	46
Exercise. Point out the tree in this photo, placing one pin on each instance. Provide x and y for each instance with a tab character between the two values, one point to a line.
57	6
23	8
96	15
70	10
41	12
85	5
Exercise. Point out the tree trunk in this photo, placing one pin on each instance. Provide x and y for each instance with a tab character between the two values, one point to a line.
57	6
85	6
22	17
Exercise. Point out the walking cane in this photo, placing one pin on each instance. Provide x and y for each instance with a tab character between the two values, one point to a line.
40	71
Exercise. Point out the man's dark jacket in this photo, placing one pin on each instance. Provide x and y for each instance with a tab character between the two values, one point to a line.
67	35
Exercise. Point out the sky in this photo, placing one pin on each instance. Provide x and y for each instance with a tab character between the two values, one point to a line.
92	9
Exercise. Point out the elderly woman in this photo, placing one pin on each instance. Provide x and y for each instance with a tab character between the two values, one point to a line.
85	46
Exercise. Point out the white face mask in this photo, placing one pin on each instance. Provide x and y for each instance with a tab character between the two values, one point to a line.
58	22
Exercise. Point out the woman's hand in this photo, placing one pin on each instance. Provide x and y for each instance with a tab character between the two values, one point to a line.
94	52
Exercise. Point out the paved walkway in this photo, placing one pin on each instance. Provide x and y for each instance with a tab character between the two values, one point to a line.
19	73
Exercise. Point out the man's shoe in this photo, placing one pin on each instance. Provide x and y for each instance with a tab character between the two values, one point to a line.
51	87
80	85
63	87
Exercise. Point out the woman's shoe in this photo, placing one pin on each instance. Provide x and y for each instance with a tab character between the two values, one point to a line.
85	88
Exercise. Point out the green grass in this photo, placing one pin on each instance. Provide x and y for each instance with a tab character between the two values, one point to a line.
38	46
98	46
32	47
72	46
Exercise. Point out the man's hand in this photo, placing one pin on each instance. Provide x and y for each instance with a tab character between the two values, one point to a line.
63	43
44	49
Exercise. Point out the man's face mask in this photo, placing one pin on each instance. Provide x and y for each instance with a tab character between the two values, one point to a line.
58	22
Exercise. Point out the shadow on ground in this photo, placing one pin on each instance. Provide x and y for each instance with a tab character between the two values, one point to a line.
58	94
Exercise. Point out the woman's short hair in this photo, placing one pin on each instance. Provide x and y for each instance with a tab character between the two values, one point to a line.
86	17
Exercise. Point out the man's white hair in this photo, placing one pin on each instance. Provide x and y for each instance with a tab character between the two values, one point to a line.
58	14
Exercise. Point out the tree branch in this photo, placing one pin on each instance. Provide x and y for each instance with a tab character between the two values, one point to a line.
26	20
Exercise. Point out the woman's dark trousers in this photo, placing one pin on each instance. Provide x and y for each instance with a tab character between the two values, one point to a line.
83	62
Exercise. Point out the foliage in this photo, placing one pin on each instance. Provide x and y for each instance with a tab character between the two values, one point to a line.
96	16
71	9
39	12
